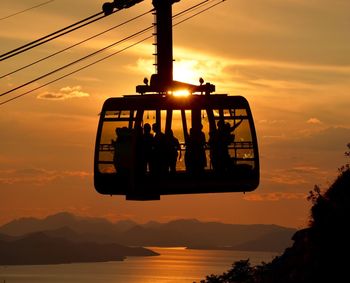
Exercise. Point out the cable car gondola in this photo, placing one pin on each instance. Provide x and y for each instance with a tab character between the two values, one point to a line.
203	142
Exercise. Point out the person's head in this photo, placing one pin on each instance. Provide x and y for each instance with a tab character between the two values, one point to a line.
155	127
221	124
147	128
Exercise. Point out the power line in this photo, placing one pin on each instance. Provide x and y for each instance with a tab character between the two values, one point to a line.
105	48
83	41
194	7
51	36
26	10
102	59
198	13
100	50
40	41
77	61
74	45
61	32
75	71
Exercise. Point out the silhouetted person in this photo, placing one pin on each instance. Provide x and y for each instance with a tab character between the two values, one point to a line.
219	142
159	162
219	153
173	148
139	151
147	147
230	129
123	151
195	159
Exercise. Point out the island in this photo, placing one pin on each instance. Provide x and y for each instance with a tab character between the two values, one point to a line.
40	249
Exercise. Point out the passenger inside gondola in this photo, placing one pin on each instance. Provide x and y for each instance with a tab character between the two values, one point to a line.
219	141
172	151
159	162
123	161
139	162
147	147
195	158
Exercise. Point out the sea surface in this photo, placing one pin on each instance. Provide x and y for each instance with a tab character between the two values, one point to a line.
173	265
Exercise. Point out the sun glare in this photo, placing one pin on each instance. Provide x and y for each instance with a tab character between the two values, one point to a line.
185	71
181	93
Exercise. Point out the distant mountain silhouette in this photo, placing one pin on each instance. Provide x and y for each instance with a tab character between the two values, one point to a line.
6	238
193	233
275	241
125	225
56	221
40	248
181	232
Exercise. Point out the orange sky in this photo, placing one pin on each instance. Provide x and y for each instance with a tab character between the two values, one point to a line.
291	59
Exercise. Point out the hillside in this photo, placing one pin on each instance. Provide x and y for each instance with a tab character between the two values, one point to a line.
318	253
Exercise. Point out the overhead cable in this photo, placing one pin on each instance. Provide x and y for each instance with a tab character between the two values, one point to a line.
75	71
97	61
61	32
52	36
77	61
198	13
100	50
26	10
74	45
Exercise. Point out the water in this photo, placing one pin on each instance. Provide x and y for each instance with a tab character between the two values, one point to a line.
173	265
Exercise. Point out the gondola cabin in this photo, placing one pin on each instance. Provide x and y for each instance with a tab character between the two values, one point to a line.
217	149
161	143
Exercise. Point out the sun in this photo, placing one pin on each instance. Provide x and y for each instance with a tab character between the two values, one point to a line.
181	93
186	71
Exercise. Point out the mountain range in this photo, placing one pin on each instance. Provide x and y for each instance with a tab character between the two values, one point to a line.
189	233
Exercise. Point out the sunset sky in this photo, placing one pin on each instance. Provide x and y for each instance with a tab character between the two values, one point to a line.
290	59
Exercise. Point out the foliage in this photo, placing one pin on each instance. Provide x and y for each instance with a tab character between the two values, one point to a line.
347	153
242	272
320	200
347	165
314	195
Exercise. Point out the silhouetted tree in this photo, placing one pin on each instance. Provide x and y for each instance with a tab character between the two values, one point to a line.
241	271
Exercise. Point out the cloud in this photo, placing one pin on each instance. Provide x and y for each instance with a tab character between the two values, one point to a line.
313	141
291	179
331	138
276	196
295	177
283	75
305	169
191	65
313	121
39	176
64	93
272	122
